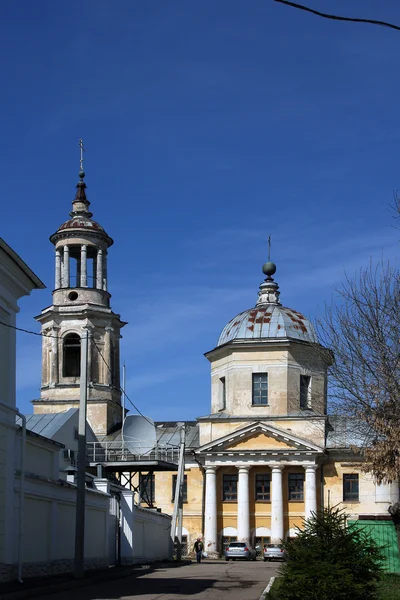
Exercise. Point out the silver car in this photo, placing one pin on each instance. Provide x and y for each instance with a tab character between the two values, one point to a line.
274	552
240	550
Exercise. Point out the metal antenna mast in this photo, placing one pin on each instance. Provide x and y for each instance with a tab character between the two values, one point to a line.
81	487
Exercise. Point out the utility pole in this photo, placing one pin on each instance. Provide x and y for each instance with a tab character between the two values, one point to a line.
123	392
177	515
81	487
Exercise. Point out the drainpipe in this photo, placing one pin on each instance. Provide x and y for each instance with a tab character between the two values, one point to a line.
21	490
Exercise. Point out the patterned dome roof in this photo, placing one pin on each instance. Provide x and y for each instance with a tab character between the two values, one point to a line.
268	321
81	222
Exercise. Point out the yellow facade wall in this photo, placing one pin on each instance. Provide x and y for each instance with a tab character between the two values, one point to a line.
333	490
259	441
260	511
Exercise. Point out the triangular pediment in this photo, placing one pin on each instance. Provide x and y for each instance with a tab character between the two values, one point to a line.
259	437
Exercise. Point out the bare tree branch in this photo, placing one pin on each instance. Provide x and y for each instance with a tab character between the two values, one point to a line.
337	17
362	330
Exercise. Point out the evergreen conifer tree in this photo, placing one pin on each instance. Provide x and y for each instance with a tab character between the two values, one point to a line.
330	560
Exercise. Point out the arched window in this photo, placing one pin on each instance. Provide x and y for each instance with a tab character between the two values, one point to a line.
72	355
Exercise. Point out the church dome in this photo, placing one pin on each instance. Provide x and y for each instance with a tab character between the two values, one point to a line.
268	319
81	222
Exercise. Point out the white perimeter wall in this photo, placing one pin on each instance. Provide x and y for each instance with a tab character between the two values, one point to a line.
151	536
48	543
145	534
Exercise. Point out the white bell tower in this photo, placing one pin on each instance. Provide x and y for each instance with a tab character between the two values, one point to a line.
80	302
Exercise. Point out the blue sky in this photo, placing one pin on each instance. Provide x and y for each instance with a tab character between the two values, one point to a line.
207	126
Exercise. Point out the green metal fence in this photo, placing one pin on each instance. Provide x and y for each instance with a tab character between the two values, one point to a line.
384	533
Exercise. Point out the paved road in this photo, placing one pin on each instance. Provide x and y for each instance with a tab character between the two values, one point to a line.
208	581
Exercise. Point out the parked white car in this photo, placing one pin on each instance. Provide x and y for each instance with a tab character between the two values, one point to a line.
274	552
240	550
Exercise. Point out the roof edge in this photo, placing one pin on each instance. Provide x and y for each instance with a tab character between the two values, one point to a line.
37	283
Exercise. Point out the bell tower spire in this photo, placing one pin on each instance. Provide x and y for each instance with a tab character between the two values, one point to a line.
81	301
80	204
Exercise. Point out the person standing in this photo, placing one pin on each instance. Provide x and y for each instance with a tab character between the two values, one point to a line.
198	548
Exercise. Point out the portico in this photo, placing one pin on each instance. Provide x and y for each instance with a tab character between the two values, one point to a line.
277	506
258	477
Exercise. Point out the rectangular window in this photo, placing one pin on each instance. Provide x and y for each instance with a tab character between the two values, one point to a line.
147	488
222	393
184	493
263	487
305	392
350	487
260	389
296	486
229	489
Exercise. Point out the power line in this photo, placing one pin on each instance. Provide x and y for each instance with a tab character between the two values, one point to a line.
338	17
97	348
27	330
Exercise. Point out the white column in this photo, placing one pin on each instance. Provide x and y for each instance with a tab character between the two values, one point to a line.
99	269
65	282
210	516
83	282
243	522
94	272
311	491
105	271
58	269
277	533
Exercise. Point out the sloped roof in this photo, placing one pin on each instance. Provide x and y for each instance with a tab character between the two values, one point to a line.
22	265
344	432
47	425
168	433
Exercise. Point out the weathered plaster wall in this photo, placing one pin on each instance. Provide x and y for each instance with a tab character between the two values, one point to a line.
373	499
284	367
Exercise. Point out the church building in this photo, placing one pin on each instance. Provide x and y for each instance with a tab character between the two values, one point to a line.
266	456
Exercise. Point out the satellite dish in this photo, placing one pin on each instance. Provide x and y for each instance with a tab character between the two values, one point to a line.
139	434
